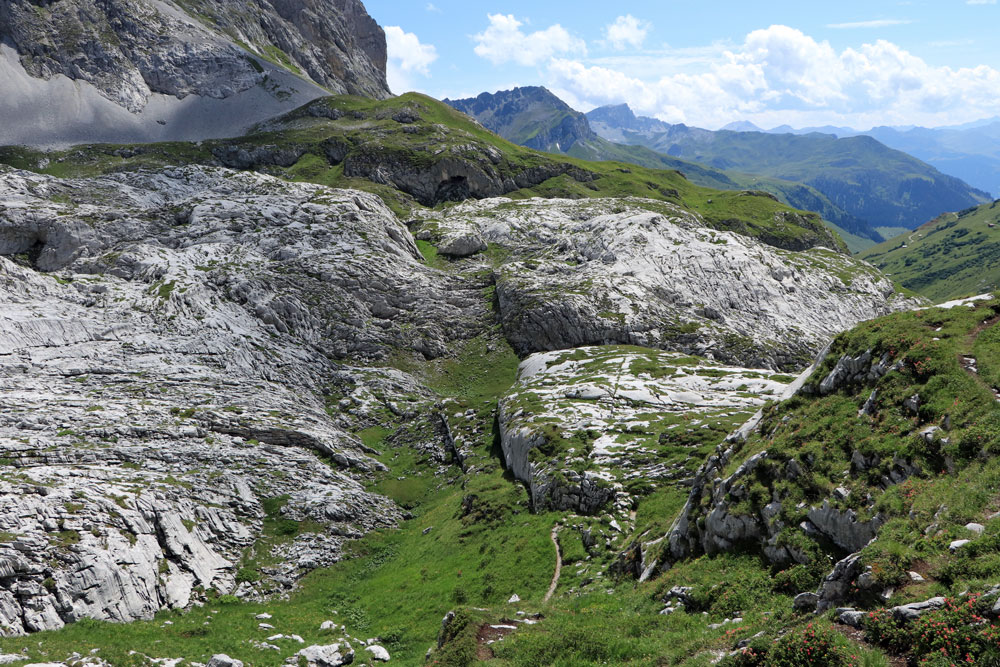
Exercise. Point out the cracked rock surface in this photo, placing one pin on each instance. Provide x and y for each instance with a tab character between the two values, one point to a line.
590	427
653	274
144	70
166	340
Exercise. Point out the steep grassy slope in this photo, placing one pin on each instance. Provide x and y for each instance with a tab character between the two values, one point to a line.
907	454
956	254
413	151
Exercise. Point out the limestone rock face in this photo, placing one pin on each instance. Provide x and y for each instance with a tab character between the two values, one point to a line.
460	172
853	370
140	70
464	245
843	528
596	272
711	521
166	341
582	427
357	286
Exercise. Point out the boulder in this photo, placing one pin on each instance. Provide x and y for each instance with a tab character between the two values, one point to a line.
851	617
836	586
331	655
805	601
914	610
223	660
464	245
378	653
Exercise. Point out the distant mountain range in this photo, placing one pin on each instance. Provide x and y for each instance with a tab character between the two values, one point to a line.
970	151
857	183
866	178
534	117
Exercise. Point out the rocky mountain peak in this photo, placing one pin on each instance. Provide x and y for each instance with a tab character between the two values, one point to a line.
619	117
616	114
531	116
146	70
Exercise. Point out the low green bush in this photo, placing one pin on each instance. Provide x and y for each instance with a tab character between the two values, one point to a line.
814	645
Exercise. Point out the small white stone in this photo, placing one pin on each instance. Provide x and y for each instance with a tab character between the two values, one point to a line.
378	653
976	528
957	544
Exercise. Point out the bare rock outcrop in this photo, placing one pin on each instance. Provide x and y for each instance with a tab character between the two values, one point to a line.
141	70
166	342
582	427
653	274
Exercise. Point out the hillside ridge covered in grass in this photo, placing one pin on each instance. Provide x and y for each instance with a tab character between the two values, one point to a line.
954	255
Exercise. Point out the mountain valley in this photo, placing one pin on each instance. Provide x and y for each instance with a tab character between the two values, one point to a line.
313	374
857	184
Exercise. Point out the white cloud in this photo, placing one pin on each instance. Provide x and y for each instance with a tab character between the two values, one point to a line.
431	7
504	41
407	57
877	23
626	31
781	75
980	2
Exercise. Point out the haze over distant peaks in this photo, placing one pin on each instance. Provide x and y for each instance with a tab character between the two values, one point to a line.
742	126
881	186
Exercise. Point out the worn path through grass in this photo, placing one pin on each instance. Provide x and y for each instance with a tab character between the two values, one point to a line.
558	570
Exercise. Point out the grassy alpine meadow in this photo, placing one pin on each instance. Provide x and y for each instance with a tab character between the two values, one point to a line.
470	545
952	256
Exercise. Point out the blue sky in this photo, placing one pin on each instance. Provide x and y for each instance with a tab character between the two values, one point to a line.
708	63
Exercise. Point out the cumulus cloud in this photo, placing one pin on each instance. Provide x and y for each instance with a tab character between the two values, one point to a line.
781	75
407	57
504	41
626	31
